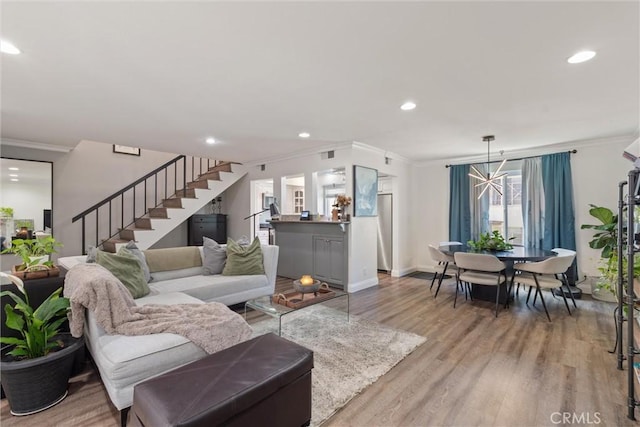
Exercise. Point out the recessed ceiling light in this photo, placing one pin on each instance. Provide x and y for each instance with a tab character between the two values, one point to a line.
304	134
13	175
15	179
408	106
6	47
582	56
14	169
211	140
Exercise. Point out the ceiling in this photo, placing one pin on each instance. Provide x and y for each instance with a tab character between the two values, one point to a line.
166	75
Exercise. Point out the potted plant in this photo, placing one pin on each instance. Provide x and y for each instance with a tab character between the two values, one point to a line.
605	239
34	253
491	242
6	226
6	212
35	365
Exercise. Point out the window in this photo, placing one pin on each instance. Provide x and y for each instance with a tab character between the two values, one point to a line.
298	201
330	183
292	194
505	211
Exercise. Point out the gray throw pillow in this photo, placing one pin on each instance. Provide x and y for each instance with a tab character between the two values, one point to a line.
243	241
215	257
125	266
91	254
141	258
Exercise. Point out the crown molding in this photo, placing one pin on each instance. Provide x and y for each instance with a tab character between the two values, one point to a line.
299	154
381	151
535	151
35	145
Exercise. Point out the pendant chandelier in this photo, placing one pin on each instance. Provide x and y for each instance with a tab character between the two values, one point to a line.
491	180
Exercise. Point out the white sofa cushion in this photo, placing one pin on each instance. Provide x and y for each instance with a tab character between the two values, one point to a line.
210	288
127	360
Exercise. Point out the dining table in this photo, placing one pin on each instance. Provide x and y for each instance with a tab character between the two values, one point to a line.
518	253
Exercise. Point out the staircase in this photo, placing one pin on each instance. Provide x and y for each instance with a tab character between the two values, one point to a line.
123	217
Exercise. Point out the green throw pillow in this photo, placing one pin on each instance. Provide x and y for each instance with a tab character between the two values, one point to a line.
242	260
126	267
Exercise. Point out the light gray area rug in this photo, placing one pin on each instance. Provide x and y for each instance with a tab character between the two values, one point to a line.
348	356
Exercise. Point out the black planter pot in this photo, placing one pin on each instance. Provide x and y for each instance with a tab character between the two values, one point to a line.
33	385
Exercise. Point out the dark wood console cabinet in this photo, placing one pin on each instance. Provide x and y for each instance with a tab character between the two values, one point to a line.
213	226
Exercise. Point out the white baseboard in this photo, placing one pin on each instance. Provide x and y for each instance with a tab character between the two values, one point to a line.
409	270
402	272
358	286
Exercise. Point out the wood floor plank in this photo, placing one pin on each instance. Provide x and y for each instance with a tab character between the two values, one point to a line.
474	369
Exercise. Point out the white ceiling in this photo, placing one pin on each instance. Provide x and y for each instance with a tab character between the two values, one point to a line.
29	173
165	75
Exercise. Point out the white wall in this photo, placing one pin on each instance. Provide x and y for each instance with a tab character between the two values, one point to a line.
596	170
430	221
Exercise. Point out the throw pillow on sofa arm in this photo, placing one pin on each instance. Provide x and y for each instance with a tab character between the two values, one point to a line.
126	267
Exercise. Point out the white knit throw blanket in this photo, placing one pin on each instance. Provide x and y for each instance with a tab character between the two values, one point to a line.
212	326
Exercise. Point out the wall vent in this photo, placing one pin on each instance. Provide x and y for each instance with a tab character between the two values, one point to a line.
327	155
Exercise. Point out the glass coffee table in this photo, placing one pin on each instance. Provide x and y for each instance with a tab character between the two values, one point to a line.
266	305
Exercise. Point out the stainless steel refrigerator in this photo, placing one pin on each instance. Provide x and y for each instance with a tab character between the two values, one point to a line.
385	215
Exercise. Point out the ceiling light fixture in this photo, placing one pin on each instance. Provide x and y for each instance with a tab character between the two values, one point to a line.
6	47
14	169
408	106
490	179
13	175
304	134
211	140
581	56
15	179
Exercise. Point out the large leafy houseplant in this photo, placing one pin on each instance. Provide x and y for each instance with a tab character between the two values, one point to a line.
491	242
30	250
606	239
37	360
606	236
38	328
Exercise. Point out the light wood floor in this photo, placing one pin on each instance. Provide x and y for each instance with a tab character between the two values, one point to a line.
474	369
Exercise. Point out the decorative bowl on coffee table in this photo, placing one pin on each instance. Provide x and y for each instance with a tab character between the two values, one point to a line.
306	289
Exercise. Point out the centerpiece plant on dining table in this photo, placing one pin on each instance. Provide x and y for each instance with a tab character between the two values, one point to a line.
491	242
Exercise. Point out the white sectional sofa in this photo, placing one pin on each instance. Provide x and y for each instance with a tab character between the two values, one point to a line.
124	361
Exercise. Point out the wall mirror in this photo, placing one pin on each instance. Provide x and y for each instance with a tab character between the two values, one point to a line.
27	189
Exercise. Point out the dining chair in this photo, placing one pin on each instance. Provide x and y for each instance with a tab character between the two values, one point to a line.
566	252
544	275
480	269
443	261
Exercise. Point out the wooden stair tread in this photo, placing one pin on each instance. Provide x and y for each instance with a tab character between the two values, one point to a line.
136	229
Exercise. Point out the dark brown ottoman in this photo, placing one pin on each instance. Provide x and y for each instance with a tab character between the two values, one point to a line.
265	381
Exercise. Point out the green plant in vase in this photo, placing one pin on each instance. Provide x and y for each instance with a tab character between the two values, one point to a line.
6	212
605	239
37	359
31	251
491	242
38	328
